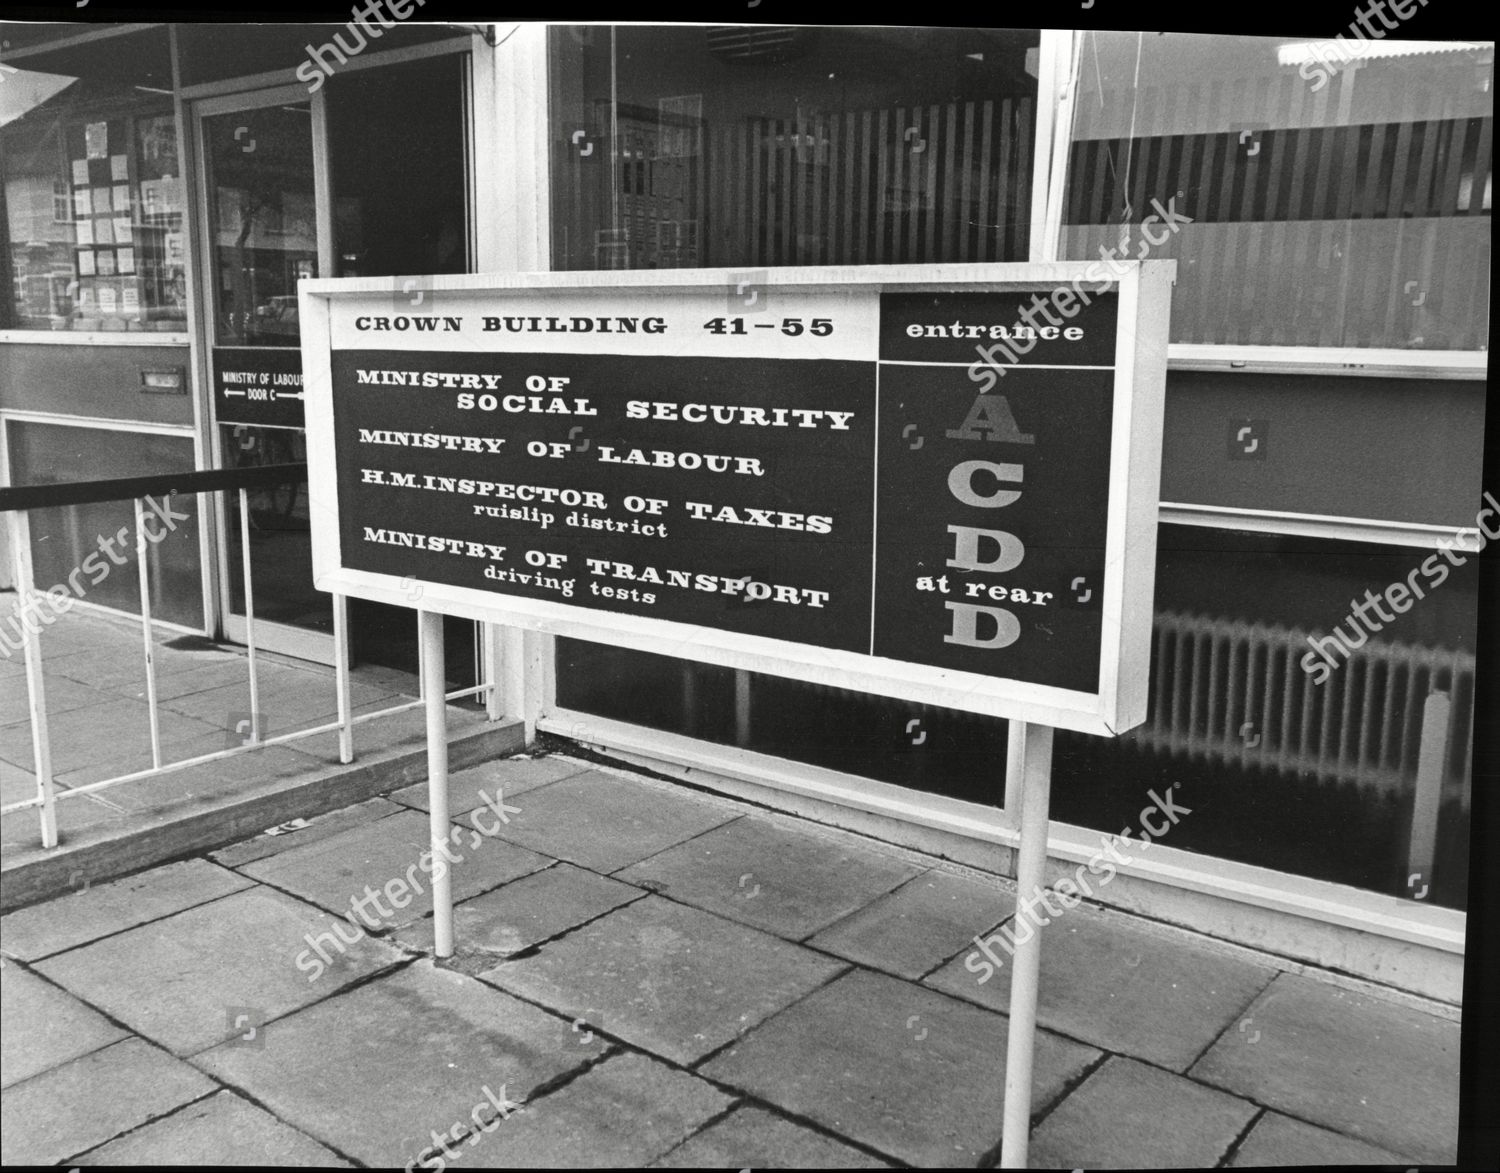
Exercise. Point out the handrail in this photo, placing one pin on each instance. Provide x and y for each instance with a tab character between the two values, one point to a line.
20	498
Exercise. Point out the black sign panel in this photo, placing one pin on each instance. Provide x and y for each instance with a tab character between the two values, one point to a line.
258	385
742	516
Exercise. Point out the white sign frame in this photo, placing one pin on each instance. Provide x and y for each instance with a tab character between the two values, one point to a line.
1144	289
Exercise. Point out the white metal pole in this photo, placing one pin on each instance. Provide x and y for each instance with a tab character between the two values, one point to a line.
434	689
249	616
36	692
492	665
150	648
1432	754
341	676
1035	742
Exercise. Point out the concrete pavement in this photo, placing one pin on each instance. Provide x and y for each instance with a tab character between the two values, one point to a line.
648	975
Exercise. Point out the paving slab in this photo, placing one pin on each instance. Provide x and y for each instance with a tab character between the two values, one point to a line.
1119	984
63	694
80	917
374	1070
289	699
507	777
623	1112
1382	1073
115	662
197	977
773	873
671	980
221	1130
921	924
86	1102
203	678
527	911
303	832
607	821
42	1027
899	1068
384	857
1277	1140
752	1138
1127	1115
116	733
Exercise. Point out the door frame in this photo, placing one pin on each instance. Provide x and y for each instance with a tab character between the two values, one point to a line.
285	638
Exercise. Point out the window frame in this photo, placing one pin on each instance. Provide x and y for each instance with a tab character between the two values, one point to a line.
1194	356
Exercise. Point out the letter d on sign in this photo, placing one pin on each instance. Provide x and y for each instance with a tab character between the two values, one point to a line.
966	549
966	626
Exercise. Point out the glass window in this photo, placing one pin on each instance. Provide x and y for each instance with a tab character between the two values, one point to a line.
92	205
1334	201
1282	764
66	538
755	146
263	223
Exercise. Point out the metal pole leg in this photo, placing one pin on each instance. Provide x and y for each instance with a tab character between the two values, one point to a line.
1035	743
434	676
36	690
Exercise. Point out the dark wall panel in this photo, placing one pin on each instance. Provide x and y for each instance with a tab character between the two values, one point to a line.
103	381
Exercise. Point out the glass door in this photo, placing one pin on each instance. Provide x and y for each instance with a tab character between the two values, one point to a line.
261	197
368	177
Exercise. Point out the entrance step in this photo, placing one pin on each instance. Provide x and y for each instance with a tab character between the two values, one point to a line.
199	808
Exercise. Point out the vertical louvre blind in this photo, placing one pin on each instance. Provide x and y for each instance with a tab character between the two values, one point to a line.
1305	231
896	185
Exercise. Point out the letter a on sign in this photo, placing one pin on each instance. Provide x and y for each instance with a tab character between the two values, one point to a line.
992	414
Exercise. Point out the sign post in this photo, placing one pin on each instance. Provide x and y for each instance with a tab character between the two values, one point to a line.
1035	745
435	701
937	483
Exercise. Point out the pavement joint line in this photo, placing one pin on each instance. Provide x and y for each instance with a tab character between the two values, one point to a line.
538	1093
991	1158
140	925
717	1118
669	847
804	824
1238	1016
534	949
710	1056
1194	1079
150	1120
1237	1141
749	1098
968	945
879	896
388	970
250	1097
729	1089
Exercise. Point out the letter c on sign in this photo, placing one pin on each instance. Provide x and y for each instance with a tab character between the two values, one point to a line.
961	483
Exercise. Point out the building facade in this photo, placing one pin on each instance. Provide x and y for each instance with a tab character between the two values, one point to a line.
166	186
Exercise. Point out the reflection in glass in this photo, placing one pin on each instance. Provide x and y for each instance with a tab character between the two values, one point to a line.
1343	206
690	147
90	550
92	207
262	221
280	531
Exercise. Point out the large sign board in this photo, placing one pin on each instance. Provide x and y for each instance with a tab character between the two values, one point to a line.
910	481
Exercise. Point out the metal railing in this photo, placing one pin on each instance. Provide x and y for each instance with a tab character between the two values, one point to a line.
17	502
